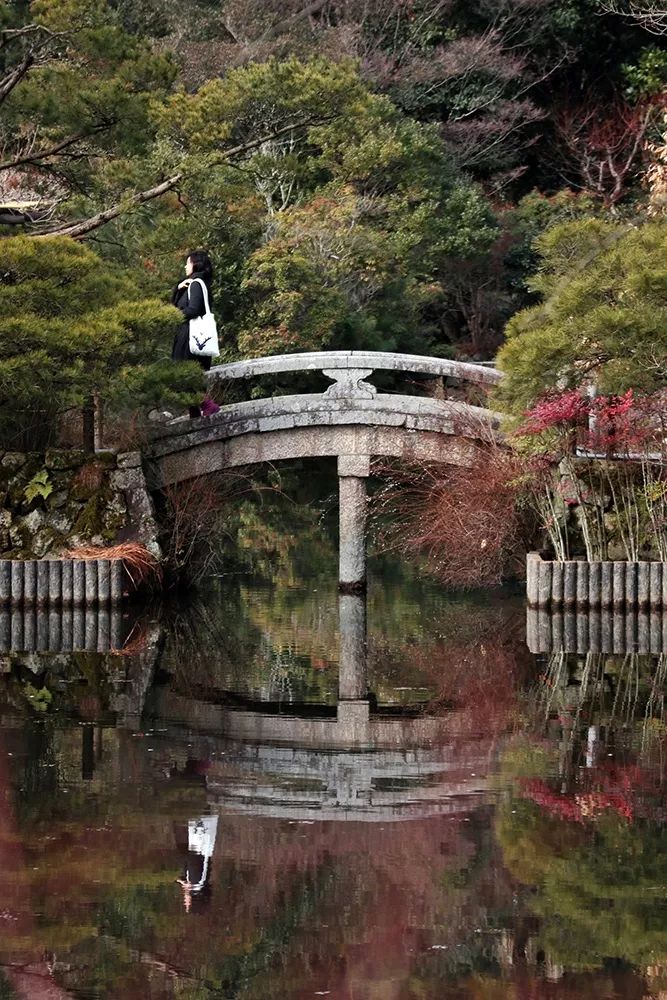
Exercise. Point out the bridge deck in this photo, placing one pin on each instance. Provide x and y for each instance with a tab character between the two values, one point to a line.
373	360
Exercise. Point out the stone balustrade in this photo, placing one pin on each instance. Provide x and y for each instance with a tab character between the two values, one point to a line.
348	368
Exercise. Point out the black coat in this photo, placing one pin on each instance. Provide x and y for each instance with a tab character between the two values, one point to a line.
191	306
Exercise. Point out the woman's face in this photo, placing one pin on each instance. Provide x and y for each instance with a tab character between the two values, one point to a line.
188	267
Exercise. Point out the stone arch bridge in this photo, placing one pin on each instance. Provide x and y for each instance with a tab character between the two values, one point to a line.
350	420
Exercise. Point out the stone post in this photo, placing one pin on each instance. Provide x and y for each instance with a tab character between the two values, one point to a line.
352	679
353	470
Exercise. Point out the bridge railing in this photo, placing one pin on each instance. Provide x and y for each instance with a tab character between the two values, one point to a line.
348	369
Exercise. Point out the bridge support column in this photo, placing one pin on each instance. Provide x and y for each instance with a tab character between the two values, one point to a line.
352	676
353	470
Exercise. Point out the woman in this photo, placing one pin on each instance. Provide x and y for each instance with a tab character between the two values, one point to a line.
188	296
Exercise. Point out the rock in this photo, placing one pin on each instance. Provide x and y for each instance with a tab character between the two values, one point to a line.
43	541
33	662
55	459
58	500
34	520
76	541
14	460
127	479
114	515
16	537
129	460
142	518
60	521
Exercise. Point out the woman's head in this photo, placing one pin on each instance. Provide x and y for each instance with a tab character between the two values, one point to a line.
198	262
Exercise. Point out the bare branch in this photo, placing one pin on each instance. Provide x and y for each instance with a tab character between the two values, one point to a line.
79	230
14	77
650	14
55	150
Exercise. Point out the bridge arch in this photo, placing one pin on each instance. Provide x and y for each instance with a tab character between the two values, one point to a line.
351	421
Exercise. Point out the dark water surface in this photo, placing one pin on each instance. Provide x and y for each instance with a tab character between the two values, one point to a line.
206	817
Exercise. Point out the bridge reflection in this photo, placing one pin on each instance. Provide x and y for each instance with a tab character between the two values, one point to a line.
353	761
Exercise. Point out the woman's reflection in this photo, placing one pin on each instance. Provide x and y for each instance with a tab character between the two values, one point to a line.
198	850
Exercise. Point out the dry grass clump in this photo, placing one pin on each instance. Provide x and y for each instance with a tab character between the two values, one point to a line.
469	520
140	565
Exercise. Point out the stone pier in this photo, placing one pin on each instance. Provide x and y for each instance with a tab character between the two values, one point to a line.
353	471
352	679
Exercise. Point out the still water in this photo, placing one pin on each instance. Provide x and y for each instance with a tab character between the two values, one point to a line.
253	802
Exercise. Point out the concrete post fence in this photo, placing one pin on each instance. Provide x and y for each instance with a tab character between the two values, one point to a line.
596	630
30	629
579	584
53	583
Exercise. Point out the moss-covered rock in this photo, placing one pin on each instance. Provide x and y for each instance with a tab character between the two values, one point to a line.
90	520
114	516
59	460
83	507
13	460
46	540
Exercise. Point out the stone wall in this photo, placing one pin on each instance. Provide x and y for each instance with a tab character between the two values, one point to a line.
54	501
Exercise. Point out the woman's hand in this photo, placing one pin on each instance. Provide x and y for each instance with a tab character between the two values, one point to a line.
185	283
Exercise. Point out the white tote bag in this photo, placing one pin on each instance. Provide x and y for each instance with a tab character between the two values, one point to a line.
203	339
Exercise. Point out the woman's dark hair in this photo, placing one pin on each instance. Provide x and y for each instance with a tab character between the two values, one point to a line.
201	265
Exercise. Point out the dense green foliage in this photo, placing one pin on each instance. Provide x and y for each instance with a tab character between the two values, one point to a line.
364	175
603	317
73	325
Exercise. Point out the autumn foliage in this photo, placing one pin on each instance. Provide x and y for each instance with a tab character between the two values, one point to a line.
469	521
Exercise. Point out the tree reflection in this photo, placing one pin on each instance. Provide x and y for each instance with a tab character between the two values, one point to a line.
584	829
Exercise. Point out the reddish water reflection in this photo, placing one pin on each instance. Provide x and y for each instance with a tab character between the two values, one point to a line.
472	848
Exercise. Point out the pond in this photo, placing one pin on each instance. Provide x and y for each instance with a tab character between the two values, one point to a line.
276	793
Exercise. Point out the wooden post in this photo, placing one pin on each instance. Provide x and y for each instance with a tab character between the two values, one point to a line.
42	583
643	585
29	581
103	581
544	585
570	584
594	572
90	576
582	584
631	585
78	584
655	578
655	632
88	425
606	588
17	582
532	574
67	582
594	630
98	421
582	633
618	585
55	582
557	584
